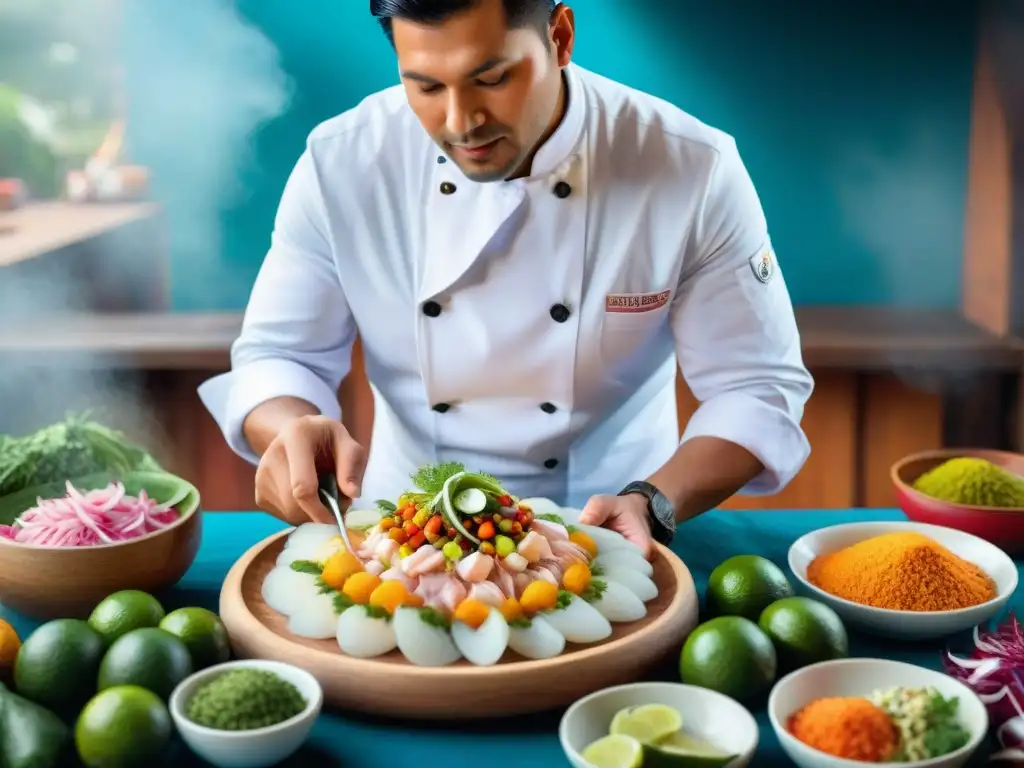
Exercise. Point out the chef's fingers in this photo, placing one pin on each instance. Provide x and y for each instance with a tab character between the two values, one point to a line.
597	510
350	463
300	446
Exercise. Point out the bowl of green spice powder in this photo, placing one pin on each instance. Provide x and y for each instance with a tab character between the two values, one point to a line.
978	491
246	714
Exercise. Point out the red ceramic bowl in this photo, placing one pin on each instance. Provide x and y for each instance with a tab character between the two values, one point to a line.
1002	526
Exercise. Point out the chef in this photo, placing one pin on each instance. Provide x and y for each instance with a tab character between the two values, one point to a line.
527	251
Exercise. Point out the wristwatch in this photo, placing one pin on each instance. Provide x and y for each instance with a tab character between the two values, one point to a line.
660	509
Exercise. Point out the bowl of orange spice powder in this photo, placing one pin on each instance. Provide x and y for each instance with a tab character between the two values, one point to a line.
849	712
911	581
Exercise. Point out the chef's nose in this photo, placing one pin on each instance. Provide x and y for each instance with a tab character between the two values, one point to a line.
464	114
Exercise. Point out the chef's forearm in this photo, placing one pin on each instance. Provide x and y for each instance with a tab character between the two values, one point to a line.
266	421
703	473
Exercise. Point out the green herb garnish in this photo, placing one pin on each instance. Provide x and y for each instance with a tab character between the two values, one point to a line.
376	612
571	529
550	517
596	570
434	618
385	506
520	623
563	600
944	733
595	589
307	566
341	601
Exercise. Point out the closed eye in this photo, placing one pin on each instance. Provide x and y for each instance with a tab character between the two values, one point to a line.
494	83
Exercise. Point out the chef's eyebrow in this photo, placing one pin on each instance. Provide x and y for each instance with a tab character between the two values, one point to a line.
489	64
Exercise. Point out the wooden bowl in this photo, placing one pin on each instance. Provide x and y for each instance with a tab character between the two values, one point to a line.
1002	526
50	583
391	686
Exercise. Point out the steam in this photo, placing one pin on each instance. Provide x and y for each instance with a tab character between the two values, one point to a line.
194	81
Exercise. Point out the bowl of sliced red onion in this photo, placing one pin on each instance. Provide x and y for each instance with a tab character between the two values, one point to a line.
66	546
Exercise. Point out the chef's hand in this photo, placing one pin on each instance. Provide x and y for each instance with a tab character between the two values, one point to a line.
627	515
287	478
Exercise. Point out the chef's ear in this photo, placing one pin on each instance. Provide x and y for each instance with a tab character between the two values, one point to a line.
563	33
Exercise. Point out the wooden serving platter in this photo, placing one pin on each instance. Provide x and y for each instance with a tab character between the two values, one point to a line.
389	685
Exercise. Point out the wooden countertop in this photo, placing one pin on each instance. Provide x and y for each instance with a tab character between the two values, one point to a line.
39	228
833	337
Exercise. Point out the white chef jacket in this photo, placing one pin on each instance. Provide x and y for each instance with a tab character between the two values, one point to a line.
528	328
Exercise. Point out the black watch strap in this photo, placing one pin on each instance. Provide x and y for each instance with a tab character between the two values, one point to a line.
660	509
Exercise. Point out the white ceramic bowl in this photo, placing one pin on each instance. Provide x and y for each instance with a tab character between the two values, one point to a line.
248	749
706	714
862	677
907	625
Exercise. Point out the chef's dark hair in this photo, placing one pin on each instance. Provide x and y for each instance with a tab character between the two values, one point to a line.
519	13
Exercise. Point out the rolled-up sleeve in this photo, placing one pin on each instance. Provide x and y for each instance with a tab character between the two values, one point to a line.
298	331
736	334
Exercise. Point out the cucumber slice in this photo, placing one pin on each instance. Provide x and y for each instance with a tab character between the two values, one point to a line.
449	510
471	501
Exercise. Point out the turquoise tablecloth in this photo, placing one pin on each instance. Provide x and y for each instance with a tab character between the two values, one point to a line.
352	741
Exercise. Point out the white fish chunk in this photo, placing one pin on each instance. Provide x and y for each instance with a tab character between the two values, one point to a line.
534	547
422	642
485	645
538	641
475	567
488	593
634	581
423	560
551	531
621	558
363	636
441	591
395	573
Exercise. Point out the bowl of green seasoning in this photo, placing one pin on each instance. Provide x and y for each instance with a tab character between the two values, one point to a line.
246	714
977	491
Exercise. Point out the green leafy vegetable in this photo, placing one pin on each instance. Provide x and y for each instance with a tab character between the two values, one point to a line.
521	623
596	570
563	600
431	478
75	447
385	506
341	601
307	566
944	733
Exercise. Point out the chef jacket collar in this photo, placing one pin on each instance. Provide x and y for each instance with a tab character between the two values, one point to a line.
556	153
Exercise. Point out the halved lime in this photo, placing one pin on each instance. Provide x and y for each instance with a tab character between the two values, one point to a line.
615	751
648	724
681	750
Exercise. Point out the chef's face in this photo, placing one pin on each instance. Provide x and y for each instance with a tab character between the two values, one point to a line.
487	94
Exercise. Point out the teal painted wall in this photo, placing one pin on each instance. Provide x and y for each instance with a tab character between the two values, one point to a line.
854	124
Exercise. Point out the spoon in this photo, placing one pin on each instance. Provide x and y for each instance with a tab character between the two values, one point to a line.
328	489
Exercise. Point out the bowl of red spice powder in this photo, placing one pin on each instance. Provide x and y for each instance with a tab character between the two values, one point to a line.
827	715
904	580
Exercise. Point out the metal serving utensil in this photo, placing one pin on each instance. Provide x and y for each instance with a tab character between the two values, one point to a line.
329	494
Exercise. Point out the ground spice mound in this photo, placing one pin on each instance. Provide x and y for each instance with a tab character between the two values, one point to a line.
905	571
851	728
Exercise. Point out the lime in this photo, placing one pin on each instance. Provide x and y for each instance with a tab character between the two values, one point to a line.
202	632
615	751
56	666
730	655
681	750
647	724
148	657
124	611
122	726
804	631
745	585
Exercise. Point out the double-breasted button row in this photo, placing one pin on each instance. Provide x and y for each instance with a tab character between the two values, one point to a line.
559	312
561	190
443	408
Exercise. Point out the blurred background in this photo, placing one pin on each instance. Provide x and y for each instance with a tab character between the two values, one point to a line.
144	145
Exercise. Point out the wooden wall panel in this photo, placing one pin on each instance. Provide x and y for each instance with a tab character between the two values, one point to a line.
897	420
827	481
